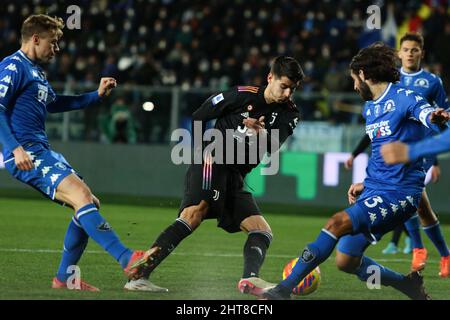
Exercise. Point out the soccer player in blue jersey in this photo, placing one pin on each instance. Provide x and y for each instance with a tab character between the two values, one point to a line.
390	194
25	98
430	87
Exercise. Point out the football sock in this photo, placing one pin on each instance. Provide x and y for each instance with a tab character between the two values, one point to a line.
255	249
75	242
367	268
168	240
396	234
99	230
412	225
435	234
314	254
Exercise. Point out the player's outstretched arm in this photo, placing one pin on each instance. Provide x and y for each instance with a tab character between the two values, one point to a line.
399	152
65	103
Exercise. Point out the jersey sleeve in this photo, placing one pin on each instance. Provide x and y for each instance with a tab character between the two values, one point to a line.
217	105
439	96
11	82
420	110
430	146
68	103
362	145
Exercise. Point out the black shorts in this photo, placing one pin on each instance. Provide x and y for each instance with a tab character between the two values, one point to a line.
222	187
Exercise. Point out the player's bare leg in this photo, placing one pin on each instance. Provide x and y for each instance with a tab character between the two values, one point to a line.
189	220
430	223
255	248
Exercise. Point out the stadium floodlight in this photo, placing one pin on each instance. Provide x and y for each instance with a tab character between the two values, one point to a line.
148	106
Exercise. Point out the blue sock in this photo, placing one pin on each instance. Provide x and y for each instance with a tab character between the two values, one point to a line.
99	230
388	276
75	242
435	234
412	225
313	255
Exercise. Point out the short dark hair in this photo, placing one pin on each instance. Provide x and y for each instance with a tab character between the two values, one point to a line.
413	36
379	63
289	67
40	24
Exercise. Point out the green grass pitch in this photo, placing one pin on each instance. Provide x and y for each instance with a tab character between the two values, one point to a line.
207	265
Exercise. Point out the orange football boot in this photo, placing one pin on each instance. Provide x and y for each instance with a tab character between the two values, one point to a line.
419	259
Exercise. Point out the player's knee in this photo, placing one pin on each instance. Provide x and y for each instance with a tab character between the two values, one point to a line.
347	263
193	216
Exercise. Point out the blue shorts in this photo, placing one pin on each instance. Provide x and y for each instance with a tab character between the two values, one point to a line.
376	213
50	169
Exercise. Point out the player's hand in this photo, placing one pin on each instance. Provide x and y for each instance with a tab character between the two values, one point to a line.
348	164
22	159
255	125
435	173
354	191
105	86
440	116
395	152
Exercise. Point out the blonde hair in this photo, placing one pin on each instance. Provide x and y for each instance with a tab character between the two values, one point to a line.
41	24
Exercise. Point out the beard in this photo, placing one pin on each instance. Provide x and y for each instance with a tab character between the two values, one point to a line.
364	91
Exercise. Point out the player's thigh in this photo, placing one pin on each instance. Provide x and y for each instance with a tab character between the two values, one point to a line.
426	213
73	191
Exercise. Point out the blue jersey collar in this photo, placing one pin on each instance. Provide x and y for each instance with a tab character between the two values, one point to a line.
384	93
403	72
23	55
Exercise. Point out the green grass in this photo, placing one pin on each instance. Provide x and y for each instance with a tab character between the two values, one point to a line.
207	265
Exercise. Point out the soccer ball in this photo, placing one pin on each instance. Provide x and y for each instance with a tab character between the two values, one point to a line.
308	285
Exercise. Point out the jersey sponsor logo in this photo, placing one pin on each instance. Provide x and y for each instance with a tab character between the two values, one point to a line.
11	67
379	129
6	79
3	90
217	99
389	106
422	82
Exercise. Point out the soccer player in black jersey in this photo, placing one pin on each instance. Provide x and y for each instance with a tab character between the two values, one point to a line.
214	186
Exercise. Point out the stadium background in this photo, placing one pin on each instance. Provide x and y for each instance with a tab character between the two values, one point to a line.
175	54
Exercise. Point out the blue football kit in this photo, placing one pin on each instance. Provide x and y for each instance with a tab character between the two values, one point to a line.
25	98
429	86
391	192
